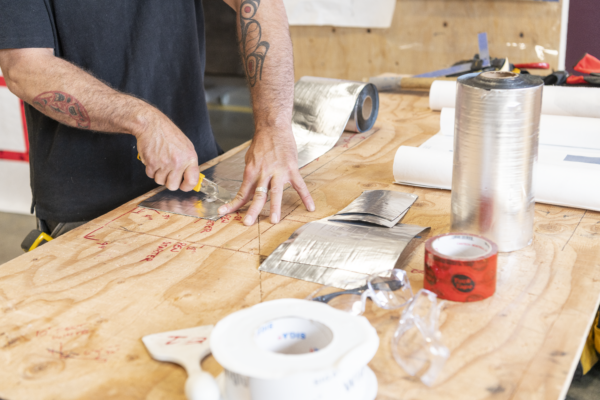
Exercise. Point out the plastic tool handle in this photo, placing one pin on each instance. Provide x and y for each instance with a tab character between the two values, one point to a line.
541	65
421	83
199	185
201	385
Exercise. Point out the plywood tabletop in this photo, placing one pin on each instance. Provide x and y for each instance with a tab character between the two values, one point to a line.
73	311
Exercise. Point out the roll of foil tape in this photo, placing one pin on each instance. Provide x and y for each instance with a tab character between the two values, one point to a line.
324	108
461	267
495	151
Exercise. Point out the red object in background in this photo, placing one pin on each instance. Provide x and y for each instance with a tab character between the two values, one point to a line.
463	279
541	65
576	80
14	155
588	64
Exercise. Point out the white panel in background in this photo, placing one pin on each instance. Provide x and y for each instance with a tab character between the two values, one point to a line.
343	13
15	192
11	122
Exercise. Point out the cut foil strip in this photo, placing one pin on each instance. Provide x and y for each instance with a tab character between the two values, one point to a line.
350	246
381	207
323	108
335	253
372	219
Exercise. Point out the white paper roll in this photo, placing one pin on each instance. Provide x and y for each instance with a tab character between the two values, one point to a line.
420	167
295	350
556	100
442	94
555	130
558	182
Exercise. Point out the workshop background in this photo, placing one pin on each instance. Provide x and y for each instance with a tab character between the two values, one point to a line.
424	35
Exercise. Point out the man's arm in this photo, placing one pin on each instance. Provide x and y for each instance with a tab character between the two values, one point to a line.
73	97
272	159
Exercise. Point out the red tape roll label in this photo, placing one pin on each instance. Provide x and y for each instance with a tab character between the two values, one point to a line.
461	267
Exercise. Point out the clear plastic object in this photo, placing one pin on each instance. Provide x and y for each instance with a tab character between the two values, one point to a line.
210	189
416	344
389	289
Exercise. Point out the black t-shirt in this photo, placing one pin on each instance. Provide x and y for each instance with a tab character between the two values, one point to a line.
152	49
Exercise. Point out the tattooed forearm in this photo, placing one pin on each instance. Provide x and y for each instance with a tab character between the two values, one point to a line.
64	103
253	50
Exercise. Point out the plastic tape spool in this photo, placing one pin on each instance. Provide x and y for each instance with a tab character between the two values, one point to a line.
295	350
461	267
365	110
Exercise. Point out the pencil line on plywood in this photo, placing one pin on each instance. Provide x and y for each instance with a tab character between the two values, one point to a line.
574	230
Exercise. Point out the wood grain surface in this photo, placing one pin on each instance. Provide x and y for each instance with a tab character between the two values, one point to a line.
73	311
427	35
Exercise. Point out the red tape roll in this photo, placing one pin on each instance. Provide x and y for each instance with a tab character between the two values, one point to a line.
461	267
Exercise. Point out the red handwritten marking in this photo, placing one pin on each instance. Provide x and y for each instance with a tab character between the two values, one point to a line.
90	235
166	216
225	219
178	246
417	271
238	216
174	339
156	252
148	216
60	333
208	227
100	355
192	340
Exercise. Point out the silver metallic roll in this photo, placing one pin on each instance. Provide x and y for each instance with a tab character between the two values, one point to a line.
324	108
495	152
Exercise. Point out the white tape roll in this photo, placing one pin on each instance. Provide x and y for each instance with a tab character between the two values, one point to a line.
295	350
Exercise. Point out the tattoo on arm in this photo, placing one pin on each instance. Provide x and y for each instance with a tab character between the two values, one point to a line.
253	50
64	103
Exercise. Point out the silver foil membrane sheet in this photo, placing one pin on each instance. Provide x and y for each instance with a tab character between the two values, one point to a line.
227	174
495	152
381	207
335	253
323	108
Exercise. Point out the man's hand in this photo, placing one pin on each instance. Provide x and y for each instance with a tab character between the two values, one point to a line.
271	162
168	154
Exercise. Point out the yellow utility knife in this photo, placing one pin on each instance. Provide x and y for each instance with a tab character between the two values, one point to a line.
209	188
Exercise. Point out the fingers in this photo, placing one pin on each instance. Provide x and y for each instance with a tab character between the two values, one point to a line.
174	179
300	187
241	198
277	185
190	177
160	176
260	198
